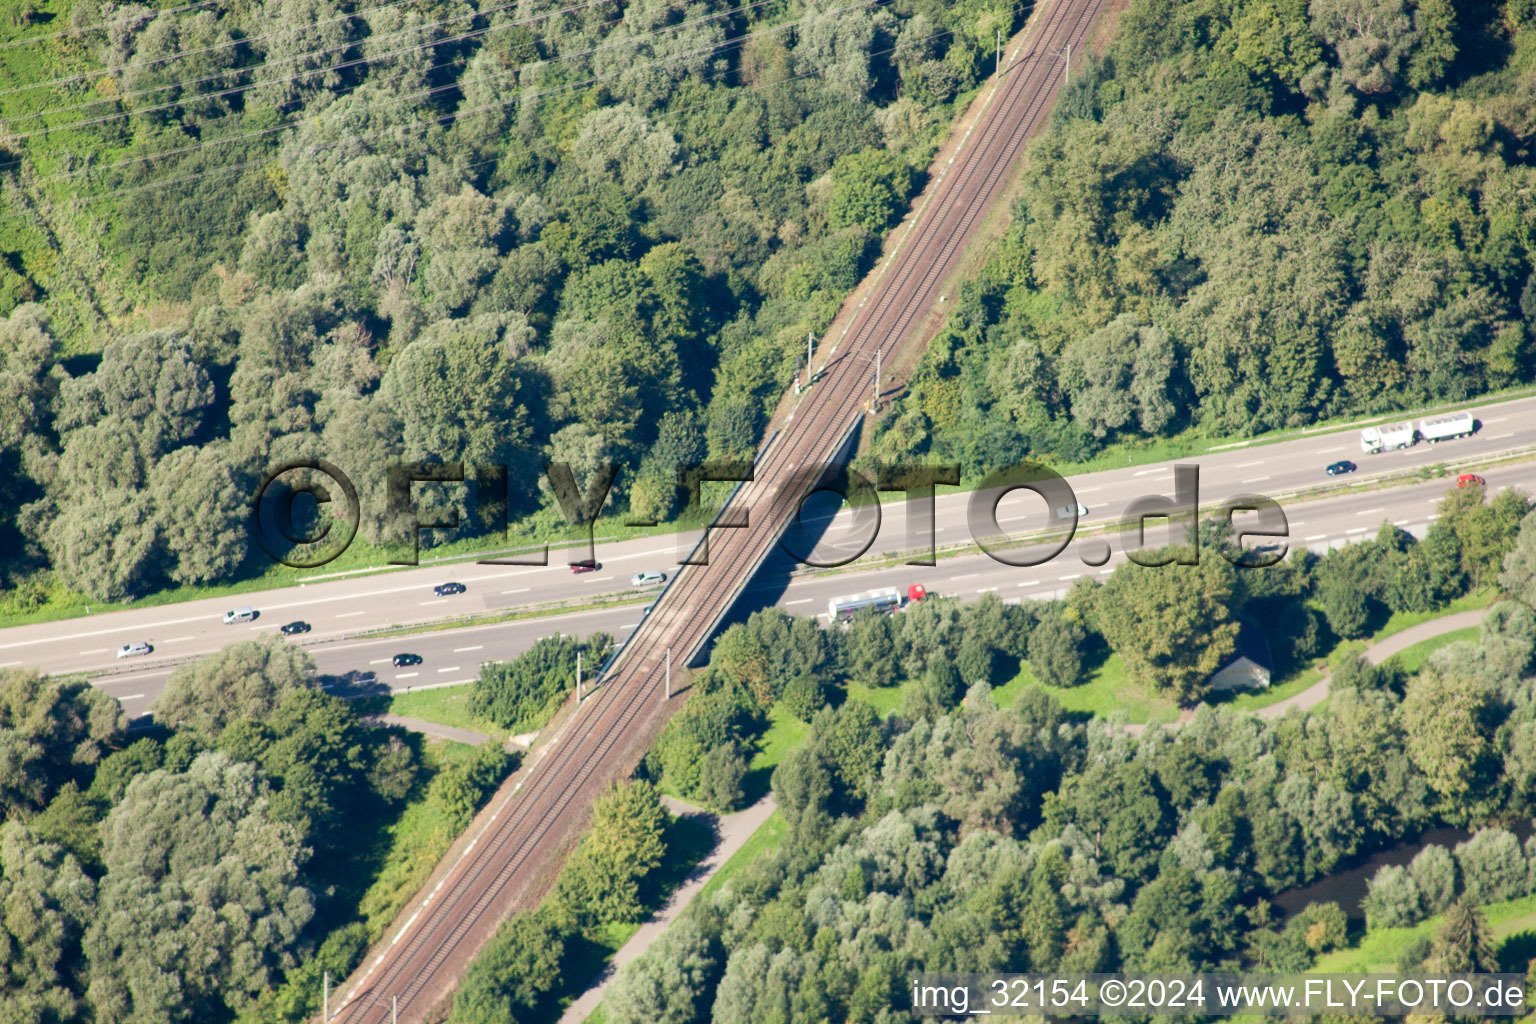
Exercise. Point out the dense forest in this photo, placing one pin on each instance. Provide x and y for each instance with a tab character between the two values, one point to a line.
238	233
962	830
1249	215
209	870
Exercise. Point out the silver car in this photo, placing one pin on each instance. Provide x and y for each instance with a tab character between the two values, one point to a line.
649	578
134	649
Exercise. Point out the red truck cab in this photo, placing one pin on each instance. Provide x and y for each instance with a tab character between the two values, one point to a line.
916	592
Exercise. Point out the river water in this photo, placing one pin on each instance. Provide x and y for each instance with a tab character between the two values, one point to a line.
1347	887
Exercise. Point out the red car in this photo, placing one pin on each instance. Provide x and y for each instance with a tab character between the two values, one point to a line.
1468	479
586	566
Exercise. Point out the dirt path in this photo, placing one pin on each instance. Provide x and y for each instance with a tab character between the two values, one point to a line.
734	830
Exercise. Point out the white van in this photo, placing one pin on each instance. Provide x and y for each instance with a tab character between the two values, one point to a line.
649	578
241	614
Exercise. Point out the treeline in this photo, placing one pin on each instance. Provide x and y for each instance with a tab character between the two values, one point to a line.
615	877
1248	216
484	233
1019	840
209	871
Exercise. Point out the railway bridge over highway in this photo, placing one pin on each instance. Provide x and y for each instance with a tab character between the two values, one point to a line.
514	861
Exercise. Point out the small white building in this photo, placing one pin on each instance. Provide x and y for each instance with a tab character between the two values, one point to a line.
1250	666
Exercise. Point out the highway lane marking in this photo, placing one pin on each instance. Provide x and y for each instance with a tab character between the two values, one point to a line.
1495	419
964	576
1105	572
984	590
453	669
102	650
1330	451
423	604
1500	437
1071	576
1436	515
114	680
629	625
519	590
461	650
1370	512
179	639
104	632
1256	480
1030	583
1400	522
380	661
1317	536
348	615
1358	529
1088	490
132	696
467	629
407	675
1250	465
803	600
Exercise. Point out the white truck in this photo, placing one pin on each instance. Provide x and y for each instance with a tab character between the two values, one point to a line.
1441	428
1380	439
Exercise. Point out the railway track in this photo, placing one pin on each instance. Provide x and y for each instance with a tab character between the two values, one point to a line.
515	859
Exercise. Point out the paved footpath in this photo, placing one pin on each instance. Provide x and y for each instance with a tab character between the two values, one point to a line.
1378	653
442	732
734	831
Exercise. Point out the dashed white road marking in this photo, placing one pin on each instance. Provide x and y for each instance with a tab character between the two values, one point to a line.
461	650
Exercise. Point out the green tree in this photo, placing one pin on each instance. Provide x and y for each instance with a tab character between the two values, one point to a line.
511	980
1056	649
869	188
51	730
46	902
1518	575
105	544
1445	719
600	883
203	902
525	691
203	514
1463	944
720	776
248	679
1171	626
669	983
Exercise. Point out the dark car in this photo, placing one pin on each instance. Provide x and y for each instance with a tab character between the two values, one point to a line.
1342	466
406	660
294	628
445	589
587	565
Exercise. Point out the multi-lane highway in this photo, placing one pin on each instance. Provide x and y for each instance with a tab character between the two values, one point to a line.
454	655
351	605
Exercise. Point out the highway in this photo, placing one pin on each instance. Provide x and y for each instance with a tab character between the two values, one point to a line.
454	655
347	606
